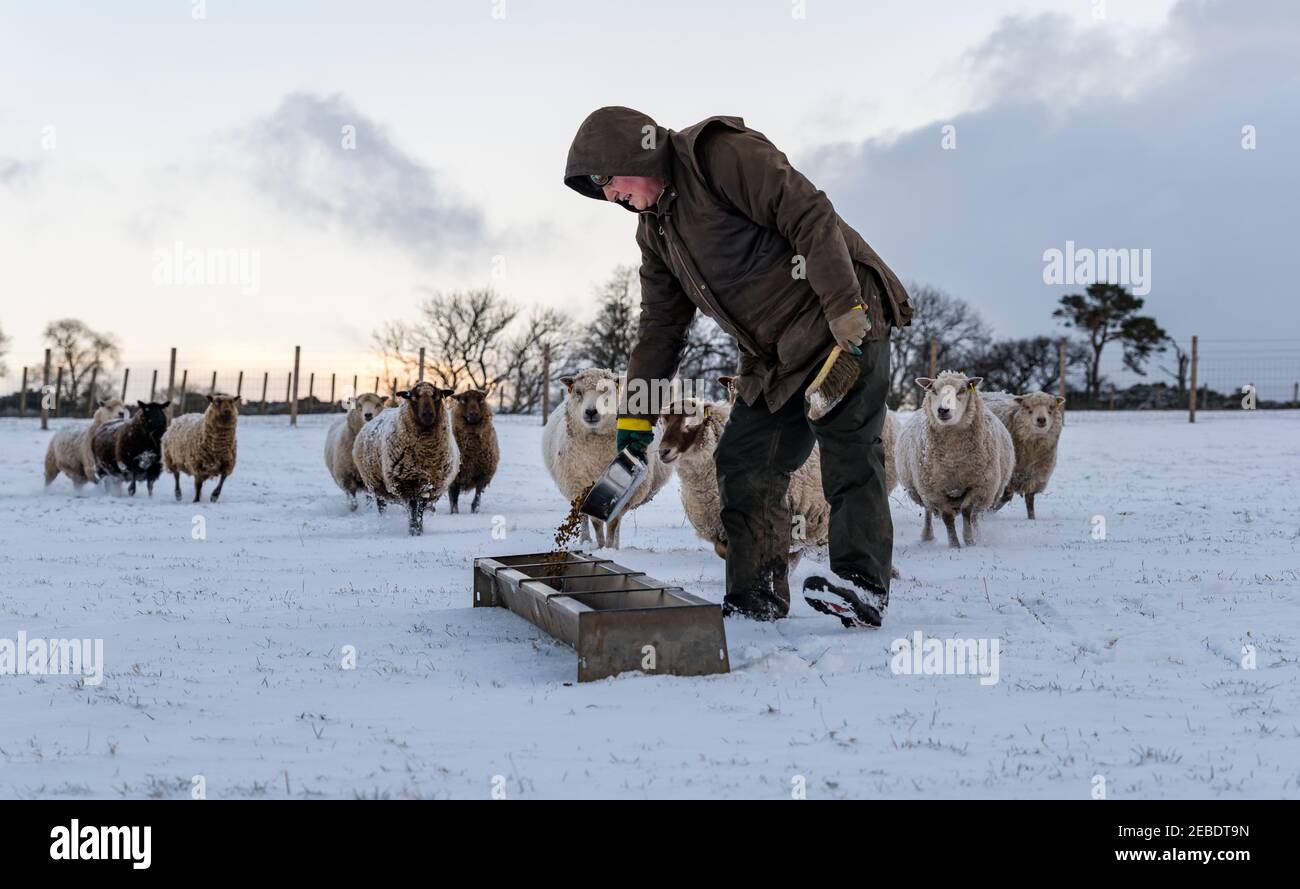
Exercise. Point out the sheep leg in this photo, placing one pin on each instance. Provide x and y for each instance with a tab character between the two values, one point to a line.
478	497
927	533
1029	504
352	501
198	487
967	526
599	529
415	522
130	489
380	503
950	522
611	533
453	497
177	476
217	493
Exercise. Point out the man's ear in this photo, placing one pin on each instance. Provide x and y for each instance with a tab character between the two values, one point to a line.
925	383
568	383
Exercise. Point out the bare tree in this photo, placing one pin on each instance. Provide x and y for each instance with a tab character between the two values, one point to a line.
4	350
1182	362
526	353
82	352
462	335
952	322
709	353
607	340
1024	365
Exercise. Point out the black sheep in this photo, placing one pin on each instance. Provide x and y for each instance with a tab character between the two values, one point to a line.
131	450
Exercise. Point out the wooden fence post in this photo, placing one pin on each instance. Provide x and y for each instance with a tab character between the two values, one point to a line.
1061	350
22	399
546	382
45	384
239	387
293	405
153	385
212	389
1295	395
288	389
311	389
90	392
332	392
58	391
376	389
185	380
420	378
355	393
126	378
171	382
934	357
266	378
1191	400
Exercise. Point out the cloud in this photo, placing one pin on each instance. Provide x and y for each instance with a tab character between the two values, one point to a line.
375	190
15	173
1063	146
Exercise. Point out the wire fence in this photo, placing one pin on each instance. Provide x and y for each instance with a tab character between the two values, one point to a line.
1267	369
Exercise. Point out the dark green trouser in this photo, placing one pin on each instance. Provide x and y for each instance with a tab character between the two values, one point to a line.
758	451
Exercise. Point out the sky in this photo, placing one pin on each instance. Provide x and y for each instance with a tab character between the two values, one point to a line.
963	140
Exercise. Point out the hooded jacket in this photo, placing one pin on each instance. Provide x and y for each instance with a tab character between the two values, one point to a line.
741	235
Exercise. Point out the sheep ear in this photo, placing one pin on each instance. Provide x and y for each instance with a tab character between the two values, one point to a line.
726	382
925	383
708	409
405	393
1060	402
568	383
142	405
974	382
446	392
166	404
1018	399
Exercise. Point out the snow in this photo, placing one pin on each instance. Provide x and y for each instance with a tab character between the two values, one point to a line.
1119	658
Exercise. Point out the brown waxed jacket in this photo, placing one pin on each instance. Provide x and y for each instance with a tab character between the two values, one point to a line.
740	235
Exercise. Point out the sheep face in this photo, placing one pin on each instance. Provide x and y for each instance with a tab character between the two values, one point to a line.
153	416
592	401
110	410
472	407
684	423
367	406
1042	412
425	400
948	397
223	409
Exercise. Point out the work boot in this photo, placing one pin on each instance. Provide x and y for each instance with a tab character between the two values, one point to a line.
768	598
856	601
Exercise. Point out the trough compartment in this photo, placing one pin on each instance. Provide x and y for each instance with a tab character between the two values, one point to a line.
607	613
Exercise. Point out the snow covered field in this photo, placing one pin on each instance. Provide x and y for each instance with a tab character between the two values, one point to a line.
1118	657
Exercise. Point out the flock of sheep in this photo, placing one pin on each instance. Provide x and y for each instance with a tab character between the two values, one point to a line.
962	453
117	446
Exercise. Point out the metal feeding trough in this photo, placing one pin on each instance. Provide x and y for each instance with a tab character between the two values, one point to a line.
615	618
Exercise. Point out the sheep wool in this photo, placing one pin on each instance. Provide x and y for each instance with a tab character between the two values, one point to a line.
408	453
471	424
340	438
953	456
70	451
1035	421
203	445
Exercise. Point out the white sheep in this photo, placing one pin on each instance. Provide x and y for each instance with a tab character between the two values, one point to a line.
578	444
340	438
69	451
1035	421
953	455
408	454
689	440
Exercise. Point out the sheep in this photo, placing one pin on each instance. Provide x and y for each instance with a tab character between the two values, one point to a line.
889	436
131	450
578	444
953	455
1035	421
408	453
70	448
691	431
203	445
339	439
471	423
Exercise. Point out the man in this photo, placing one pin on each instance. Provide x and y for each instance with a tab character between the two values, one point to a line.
728	227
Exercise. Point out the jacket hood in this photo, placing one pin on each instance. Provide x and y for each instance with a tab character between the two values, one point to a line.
616	141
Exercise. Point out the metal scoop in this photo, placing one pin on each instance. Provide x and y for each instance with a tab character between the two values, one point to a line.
609	495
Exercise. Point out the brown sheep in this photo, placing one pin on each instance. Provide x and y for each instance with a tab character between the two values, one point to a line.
471	423
203	445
